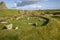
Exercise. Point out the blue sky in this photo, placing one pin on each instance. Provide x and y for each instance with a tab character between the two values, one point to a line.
33	5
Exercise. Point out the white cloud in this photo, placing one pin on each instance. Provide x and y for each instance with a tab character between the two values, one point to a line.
31	7
15	4
45	0
28	2
33	0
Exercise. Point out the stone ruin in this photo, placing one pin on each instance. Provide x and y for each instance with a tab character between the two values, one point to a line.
9	27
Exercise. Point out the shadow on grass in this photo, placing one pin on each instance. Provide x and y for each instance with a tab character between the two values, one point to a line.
56	17
45	22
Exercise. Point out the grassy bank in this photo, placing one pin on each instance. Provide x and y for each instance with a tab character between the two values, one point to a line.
47	27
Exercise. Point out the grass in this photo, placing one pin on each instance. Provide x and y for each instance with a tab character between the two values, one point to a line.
26	31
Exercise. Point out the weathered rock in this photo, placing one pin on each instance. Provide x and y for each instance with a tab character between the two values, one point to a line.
30	23
18	18
16	28
4	22
9	26
28	18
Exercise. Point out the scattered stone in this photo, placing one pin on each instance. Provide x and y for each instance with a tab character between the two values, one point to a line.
16	28
9	26
30	23
18	18
28	18
4	22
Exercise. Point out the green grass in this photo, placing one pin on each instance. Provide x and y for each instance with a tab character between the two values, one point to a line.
50	31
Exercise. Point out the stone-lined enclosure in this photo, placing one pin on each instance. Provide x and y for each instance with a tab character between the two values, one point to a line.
33	21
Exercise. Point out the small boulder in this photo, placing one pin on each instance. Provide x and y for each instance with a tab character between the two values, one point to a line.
4	22
18	18
9	26
28	18
16	28
30	23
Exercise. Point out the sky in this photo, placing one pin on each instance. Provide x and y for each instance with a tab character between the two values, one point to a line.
32	4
